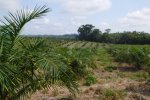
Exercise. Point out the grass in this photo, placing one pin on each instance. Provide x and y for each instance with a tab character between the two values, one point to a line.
103	71
110	68
90	79
103	58
112	94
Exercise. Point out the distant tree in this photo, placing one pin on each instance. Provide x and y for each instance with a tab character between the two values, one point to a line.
106	37
107	30
96	35
85	31
89	33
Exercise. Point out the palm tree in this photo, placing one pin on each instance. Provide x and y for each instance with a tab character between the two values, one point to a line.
26	66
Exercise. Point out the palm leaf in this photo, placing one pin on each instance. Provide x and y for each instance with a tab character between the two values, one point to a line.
11	77
15	22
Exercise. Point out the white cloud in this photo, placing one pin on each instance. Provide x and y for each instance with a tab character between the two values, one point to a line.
86	7
44	20
78	20
83	7
137	18
9	5
103	25
77	13
44	26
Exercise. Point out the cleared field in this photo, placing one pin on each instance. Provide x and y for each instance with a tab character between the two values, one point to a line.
104	77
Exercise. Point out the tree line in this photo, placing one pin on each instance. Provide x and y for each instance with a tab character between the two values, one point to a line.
88	32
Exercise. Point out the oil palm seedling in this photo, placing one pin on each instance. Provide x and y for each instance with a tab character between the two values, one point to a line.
136	56
26	66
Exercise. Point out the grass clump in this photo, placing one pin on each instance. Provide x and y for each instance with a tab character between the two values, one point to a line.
142	75
110	94
90	79
110	68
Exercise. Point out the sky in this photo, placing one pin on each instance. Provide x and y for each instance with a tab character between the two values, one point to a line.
66	16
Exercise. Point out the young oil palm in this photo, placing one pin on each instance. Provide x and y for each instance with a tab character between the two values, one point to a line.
28	66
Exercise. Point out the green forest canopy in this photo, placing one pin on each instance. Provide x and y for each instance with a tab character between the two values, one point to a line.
88	32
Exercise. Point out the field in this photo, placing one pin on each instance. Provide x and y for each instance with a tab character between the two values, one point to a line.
100	71
91	64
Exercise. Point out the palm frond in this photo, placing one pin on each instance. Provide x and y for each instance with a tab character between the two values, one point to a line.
15	22
11	77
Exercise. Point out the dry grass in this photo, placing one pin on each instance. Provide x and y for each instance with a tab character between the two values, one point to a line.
122	82
115	88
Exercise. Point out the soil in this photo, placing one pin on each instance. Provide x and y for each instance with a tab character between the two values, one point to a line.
106	80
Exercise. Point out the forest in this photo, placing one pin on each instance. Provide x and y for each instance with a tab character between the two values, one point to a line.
89	33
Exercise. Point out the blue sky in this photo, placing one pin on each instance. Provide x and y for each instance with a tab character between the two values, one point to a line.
67	15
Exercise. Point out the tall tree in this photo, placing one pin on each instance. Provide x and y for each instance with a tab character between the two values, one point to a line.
108	30
85	31
95	35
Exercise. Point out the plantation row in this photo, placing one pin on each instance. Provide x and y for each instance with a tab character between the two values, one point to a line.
83	57
137	56
73	44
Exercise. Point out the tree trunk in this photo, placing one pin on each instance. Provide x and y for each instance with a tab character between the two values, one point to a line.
3	94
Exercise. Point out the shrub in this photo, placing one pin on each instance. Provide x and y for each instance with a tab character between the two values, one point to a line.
143	75
78	69
90	79
79	60
139	57
136	56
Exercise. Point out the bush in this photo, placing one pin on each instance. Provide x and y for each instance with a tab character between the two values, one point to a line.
139	57
90	79
142	75
79	70
136	56
79	60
